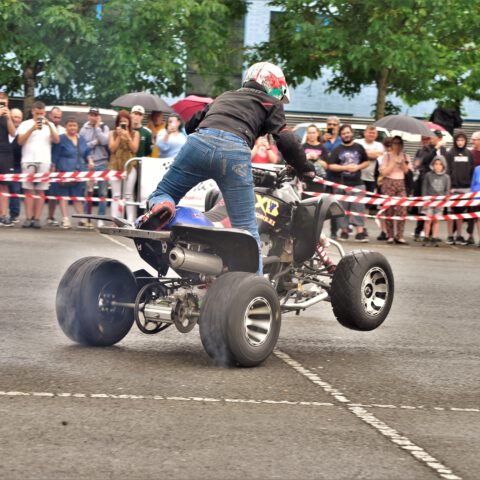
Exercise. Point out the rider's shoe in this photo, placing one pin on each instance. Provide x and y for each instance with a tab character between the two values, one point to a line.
157	217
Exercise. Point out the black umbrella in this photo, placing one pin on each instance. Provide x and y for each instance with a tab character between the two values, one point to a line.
148	101
403	123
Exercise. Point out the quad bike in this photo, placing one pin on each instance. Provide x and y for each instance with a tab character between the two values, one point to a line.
238	313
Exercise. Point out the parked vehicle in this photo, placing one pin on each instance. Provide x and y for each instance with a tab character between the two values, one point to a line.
80	113
239	313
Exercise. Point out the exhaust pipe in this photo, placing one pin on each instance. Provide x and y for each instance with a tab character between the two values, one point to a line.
206	263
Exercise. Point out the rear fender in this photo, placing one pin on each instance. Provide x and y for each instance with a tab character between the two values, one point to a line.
308	221
237	248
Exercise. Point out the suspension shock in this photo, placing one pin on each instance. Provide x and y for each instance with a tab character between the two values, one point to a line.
324	258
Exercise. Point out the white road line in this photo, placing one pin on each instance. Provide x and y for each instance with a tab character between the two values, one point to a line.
114	240
360	412
233	400
162	397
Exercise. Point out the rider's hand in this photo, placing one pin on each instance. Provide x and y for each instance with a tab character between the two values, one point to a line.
308	171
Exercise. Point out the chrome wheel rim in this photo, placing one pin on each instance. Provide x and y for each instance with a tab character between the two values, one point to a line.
375	291
258	321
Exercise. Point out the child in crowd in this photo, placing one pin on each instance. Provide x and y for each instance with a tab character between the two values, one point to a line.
435	182
475	187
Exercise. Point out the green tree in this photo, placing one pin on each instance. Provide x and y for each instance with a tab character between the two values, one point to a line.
418	49
148	45
38	39
67	50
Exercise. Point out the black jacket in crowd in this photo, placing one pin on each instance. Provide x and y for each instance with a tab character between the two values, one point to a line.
460	165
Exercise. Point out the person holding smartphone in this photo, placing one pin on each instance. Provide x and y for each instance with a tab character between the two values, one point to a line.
123	143
171	139
36	137
7	128
331	137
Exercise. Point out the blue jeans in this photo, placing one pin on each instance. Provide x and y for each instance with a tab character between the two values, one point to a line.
224	157
14	203
102	192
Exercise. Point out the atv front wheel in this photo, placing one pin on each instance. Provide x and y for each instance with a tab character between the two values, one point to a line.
86	297
240	320
362	290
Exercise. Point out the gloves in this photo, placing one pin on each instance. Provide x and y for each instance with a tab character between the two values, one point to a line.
307	171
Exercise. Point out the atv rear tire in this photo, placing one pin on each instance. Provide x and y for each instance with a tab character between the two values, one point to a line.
240	320
362	290
83	301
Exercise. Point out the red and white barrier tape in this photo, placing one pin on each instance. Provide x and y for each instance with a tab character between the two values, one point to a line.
339	186
57	197
402	202
62	176
451	216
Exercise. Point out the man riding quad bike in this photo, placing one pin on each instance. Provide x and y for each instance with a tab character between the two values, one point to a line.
220	284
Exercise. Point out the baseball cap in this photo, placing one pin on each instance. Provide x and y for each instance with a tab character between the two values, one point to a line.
138	109
438	133
94	111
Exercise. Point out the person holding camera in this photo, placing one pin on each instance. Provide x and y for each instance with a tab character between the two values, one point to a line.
395	165
36	137
123	143
171	139
331	138
15	203
265	151
95	133
7	129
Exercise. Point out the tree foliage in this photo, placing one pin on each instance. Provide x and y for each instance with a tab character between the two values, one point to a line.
70	50
418	49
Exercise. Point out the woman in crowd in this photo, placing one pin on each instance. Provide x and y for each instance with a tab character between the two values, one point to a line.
395	164
315	151
123	143
265	151
70	155
171	139
7	128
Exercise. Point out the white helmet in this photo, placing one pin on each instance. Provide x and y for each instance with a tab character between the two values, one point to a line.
271	78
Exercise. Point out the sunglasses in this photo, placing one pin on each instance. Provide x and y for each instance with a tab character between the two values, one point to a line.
332	124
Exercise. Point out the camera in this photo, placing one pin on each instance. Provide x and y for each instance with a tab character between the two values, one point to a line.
123	125
39	122
330	131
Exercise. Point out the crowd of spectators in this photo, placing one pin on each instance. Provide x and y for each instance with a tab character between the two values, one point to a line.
41	144
385	168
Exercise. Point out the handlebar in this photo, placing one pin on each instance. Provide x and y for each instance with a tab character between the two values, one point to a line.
271	178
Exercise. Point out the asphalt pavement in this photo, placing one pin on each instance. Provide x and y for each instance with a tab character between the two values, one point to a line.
401	402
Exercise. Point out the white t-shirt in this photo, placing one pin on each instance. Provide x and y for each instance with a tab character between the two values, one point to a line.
368	174
38	147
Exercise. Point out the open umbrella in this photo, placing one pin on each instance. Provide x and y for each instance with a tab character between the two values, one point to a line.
190	105
148	101
403	123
